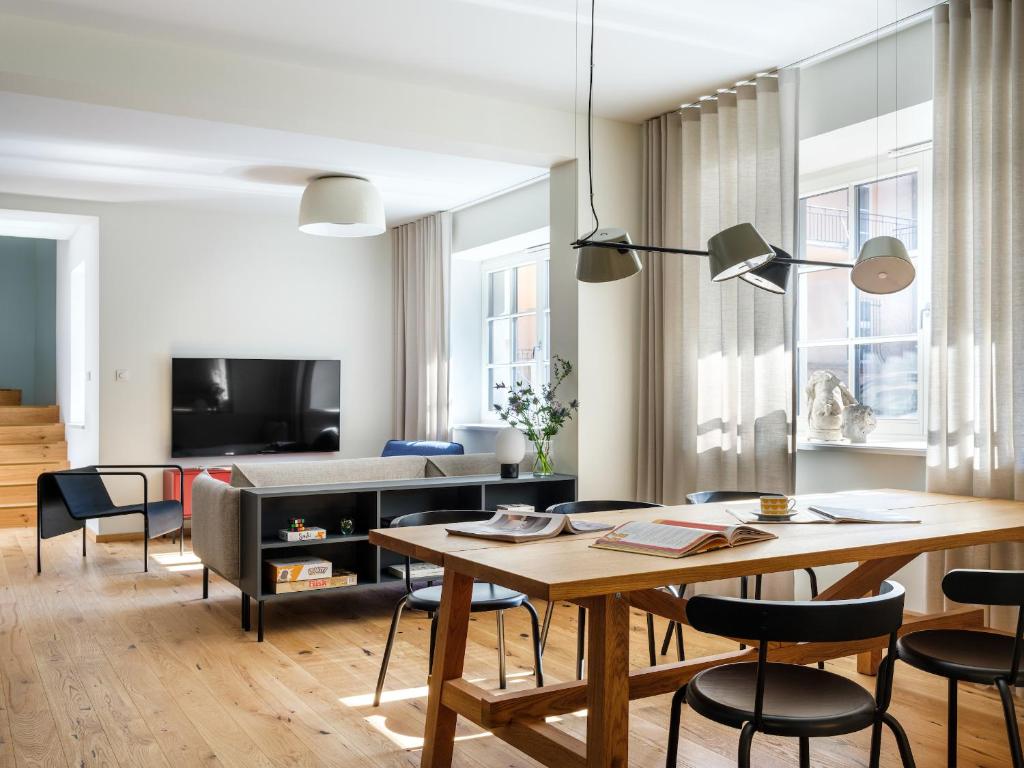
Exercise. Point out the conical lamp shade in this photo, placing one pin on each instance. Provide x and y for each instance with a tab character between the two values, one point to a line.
602	265
772	277
736	250
884	266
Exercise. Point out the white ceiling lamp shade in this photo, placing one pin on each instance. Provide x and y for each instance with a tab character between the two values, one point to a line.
341	206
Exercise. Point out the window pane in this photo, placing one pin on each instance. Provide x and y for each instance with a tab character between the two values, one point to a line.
826	226
522	375
526	337
499	293
497	398
887	315
888	207
825	295
501	341
887	378
830	358
526	288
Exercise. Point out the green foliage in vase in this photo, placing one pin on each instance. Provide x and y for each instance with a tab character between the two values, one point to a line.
539	414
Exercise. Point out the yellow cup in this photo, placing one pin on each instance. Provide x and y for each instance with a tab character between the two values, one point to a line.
777	505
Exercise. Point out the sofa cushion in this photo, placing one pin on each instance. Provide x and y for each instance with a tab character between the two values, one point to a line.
262	475
215	528
422	448
470	464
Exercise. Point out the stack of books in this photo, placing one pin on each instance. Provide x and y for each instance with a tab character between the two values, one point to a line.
300	574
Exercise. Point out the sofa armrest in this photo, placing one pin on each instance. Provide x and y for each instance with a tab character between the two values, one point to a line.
215	527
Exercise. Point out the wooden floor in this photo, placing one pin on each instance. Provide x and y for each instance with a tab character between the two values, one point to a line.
101	664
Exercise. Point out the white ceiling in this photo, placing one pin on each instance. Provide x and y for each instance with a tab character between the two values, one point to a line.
58	148
651	54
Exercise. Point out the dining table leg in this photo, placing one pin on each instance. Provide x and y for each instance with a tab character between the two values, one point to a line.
449	657
608	682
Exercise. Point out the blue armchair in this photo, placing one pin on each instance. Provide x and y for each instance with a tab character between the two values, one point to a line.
422	448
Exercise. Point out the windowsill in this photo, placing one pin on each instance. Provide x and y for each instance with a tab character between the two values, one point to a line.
892	447
486	426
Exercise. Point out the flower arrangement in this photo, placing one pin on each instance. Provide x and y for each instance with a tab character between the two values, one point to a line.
539	414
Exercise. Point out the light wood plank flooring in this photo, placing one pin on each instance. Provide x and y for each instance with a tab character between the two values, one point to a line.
103	665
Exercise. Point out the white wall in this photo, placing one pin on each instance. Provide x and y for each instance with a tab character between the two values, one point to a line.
27	317
520	210
179	280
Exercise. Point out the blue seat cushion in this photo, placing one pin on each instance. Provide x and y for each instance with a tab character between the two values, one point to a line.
422	448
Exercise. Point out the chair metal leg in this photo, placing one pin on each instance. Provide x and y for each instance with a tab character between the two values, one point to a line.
145	545
581	640
83	541
538	645
906	754
676	713
652	654
813	577
746	737
387	650
668	638
680	650
549	612
259	621
433	644
206	582
758	583
875	752
951	726
1012	732
181	538
39	544
502	681
246	615
805	752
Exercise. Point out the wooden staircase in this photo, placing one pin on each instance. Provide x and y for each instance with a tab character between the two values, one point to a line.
31	442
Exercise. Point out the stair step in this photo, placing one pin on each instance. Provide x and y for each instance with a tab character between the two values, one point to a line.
20	415
19	474
17	516
32	434
17	494
33	454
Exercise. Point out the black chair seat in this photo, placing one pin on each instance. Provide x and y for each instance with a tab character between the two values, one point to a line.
486	597
164	516
977	657
798	701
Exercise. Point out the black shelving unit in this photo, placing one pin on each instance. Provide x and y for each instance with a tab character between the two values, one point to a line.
264	511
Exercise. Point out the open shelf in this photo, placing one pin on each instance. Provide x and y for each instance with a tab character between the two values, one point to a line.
330	539
307	592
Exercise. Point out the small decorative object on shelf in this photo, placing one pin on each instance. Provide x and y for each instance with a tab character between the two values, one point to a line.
347	526
858	422
302	534
297	524
298	569
826	398
510	448
340	578
538	413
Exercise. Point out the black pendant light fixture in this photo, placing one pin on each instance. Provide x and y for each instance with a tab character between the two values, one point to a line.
608	254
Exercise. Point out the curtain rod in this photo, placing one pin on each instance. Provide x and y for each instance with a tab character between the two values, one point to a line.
820	55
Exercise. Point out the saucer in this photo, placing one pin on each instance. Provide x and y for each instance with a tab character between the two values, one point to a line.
770	518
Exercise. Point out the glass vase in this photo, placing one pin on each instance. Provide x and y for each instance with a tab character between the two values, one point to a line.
542	462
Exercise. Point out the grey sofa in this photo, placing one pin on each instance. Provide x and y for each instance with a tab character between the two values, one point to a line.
215	505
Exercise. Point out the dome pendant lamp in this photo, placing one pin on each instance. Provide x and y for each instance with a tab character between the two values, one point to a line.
341	206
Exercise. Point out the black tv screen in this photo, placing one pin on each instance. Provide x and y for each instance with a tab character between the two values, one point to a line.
227	407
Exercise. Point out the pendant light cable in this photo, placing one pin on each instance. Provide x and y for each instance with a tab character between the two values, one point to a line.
590	124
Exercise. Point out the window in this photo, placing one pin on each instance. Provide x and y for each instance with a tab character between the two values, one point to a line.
875	344
516	323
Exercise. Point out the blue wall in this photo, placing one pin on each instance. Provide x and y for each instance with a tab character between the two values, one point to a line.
28	318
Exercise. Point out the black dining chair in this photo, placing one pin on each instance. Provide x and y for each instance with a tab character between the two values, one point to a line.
582	508
790	699
713	497
973	656
486	598
66	499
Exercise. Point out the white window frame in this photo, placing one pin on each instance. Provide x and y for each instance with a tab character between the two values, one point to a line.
849	177
539	255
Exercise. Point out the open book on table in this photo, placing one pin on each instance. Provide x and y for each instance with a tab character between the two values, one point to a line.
526	526
678	538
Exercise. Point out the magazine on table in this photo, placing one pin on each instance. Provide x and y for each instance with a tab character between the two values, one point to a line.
526	526
864	515
678	538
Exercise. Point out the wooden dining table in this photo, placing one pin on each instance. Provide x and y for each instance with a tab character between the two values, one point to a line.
607	583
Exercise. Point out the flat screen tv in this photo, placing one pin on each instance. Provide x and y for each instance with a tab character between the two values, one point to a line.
230	407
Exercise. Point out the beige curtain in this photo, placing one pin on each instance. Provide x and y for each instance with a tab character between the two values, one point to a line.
422	257
715	358
976	398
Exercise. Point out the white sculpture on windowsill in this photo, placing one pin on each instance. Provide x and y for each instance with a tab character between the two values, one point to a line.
858	422
826	398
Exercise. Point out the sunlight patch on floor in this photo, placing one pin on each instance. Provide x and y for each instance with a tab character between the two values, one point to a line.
178	563
405	741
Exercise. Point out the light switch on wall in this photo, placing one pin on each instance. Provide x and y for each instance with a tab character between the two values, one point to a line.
121	374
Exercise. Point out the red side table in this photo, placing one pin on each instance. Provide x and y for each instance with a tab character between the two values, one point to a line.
171	483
